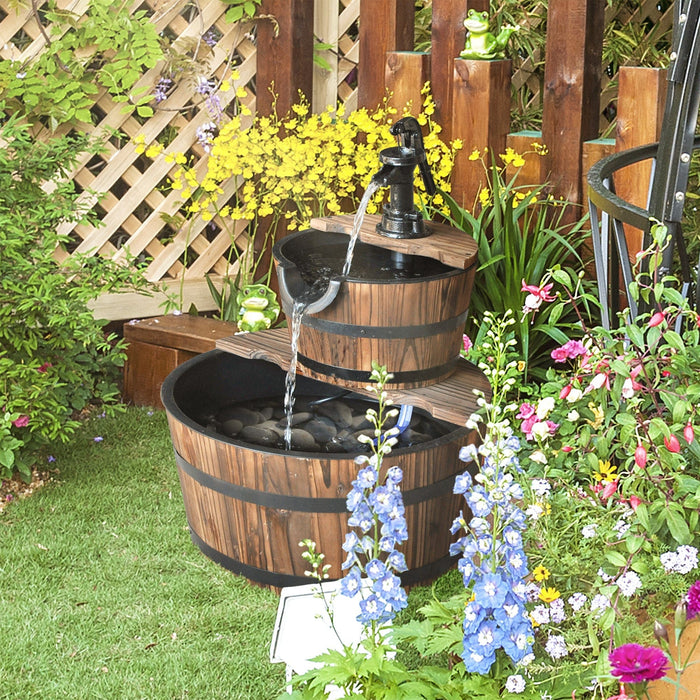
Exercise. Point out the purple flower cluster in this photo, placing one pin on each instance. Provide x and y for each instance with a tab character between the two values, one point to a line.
493	562
161	90
375	508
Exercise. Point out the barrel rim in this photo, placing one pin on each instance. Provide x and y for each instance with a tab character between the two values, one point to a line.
167	397
282	259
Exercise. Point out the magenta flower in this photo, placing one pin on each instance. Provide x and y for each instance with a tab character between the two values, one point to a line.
44	367
693	600
633	663
467	342
536	295
21	422
568	351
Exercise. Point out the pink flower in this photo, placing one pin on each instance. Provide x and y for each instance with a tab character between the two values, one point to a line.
657	319
635	502
672	444
467	343
693	600
536	295
608	490
602	379
689	433
565	391
568	351
629	387
527	410
21	422
633	663
640	456
44	367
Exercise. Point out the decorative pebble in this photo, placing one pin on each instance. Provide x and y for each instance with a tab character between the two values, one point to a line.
332	426
259	436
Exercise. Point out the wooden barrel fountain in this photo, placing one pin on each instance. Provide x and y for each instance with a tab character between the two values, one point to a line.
248	507
409	316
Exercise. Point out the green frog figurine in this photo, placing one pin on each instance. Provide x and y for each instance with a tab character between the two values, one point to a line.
480	43
257	307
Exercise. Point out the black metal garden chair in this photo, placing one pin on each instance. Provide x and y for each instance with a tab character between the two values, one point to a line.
668	185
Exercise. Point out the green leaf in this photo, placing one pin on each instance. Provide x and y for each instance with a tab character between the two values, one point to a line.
677	525
615	558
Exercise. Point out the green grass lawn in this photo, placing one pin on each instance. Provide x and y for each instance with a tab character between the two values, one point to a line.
103	595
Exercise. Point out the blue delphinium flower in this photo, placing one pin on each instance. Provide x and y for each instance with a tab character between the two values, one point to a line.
377	511
492	560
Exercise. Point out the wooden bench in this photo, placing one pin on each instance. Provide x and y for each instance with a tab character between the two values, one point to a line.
158	345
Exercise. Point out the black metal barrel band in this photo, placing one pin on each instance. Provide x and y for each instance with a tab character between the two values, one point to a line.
300	503
385	332
280	580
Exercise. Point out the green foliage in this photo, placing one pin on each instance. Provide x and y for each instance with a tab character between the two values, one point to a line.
104	47
241	9
54	356
521	233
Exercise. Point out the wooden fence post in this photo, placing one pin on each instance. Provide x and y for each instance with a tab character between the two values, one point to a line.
385	25
480	117
571	91
447	39
406	73
285	54
640	107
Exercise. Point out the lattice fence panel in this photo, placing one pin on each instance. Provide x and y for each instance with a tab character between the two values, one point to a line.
141	216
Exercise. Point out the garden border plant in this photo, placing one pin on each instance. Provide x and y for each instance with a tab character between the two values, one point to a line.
55	358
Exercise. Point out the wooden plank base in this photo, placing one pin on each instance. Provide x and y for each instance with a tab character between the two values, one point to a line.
451	400
445	243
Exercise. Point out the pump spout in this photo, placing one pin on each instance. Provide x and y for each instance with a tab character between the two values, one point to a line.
400	218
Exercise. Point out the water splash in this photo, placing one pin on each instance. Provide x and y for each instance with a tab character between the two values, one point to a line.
357	224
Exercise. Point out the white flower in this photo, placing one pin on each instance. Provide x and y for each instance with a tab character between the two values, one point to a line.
544	407
682	561
540	614
621	527
515	684
629	583
541	487
577	601
601	603
573	416
534	512
539	457
540	430
556	611
604	576
628	388
556	646
574	395
588	531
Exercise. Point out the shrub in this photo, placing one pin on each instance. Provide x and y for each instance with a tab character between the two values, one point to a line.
54	356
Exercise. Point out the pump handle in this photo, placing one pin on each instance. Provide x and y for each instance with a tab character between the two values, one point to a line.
409	135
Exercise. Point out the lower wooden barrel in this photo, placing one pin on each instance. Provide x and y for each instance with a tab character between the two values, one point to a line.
408	315
248	507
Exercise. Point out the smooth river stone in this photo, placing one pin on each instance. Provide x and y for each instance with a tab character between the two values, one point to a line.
297	419
323	429
231	427
340	413
241	413
272	425
301	440
258	435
